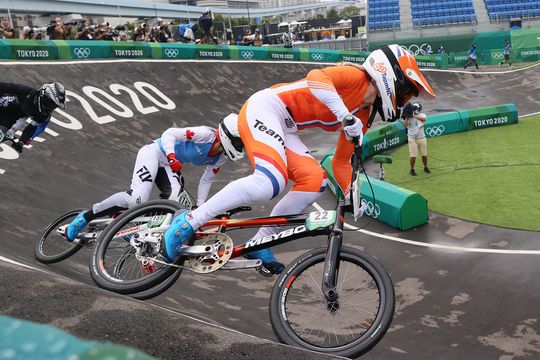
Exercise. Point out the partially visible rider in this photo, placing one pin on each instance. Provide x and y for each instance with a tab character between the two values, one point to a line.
268	127
20	102
159	163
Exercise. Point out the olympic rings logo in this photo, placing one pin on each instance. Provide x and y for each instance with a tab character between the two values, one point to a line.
82	53
371	210
498	56
317	56
171	53
247	54
417	50
435	130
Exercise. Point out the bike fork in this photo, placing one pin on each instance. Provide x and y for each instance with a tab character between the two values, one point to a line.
331	261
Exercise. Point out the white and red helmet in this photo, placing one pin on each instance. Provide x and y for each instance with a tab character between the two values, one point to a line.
397	77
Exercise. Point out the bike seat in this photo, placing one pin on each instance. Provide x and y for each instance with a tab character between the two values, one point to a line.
381	159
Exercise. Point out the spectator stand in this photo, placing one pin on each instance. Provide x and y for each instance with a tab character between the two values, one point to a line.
383	15
506	10
442	13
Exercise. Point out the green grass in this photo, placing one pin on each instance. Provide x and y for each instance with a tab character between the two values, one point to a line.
490	176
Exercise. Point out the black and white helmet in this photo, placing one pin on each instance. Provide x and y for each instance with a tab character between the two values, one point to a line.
229	136
417	107
50	96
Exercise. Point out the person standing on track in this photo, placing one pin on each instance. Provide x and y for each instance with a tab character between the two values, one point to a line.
159	163
267	130
20	102
473	58
506	53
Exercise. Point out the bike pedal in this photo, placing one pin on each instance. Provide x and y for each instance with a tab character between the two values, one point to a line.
264	271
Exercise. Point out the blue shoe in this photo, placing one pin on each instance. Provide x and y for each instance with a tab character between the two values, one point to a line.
75	227
270	265
176	235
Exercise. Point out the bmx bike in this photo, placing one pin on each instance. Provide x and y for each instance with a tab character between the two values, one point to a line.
334	299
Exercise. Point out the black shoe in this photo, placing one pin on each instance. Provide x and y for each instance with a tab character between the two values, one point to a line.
412	172
427	171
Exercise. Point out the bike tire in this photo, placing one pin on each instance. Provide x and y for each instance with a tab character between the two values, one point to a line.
97	264
374	330
67	249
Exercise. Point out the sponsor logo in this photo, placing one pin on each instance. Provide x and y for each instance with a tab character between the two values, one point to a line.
317	56
211	53
32	53
247	54
283	234
371	210
282	56
434	130
530	52
263	128
353	58
81	53
426	64
171	53
128	52
189	134
380	67
386	85
144	174
290	123
386	143
491	122
6	100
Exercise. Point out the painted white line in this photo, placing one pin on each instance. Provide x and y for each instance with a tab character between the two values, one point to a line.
481	72
437	246
531	114
5	259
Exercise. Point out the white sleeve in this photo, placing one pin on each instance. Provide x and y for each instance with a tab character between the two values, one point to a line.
207	179
196	134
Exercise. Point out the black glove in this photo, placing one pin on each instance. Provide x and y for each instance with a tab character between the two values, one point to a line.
407	111
18	146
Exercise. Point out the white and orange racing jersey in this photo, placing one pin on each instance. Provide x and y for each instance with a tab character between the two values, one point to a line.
318	99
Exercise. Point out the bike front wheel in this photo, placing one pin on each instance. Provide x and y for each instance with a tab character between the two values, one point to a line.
352	325
52	246
116	265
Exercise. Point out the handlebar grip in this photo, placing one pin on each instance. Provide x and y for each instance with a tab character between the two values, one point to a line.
349	120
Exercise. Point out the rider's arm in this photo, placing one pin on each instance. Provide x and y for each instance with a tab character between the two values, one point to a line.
207	179
196	134
14	89
31	129
422	117
324	85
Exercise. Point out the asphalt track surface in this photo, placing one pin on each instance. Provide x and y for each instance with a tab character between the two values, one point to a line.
464	290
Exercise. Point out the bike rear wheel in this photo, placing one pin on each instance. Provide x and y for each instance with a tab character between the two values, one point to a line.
114	264
301	316
53	247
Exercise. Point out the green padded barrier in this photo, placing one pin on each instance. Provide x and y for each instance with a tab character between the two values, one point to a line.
354	56
80	49
458	59
397	207
127	49
528	54
248	52
26	340
173	51
211	52
443	124
489	116
276	53
319	55
382	138
31	49
439	61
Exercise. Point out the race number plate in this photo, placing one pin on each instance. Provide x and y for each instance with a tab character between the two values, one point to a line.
320	219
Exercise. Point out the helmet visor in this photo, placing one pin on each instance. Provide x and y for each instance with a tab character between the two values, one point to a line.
46	105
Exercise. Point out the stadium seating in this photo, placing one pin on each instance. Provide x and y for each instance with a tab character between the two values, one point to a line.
383	14
507	9
444	12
